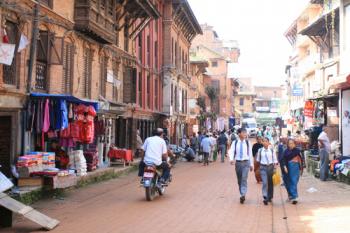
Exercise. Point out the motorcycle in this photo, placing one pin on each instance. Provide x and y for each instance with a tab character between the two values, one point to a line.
151	182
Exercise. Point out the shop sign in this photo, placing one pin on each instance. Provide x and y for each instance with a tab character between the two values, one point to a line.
263	109
346	122
297	90
309	108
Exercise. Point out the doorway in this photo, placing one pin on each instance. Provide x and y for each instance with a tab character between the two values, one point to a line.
5	145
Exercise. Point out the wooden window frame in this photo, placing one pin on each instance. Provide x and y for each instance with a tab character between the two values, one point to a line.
68	67
11	73
88	54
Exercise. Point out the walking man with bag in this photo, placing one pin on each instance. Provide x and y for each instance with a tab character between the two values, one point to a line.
241	156
267	159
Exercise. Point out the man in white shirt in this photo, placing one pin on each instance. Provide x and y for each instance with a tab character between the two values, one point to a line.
325	149
156	153
241	156
267	159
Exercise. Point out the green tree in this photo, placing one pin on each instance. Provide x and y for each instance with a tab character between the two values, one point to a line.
213	94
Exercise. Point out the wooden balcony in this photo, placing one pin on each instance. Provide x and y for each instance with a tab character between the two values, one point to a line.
96	18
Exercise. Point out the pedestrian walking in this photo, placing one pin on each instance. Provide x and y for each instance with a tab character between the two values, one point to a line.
280	151
292	165
213	145
184	142
194	143
199	141
325	149
267	160
256	148
241	156
206	146
222	145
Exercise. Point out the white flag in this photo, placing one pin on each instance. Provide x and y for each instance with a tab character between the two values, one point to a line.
6	53
23	42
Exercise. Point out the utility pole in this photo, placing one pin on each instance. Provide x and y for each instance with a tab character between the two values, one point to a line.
33	45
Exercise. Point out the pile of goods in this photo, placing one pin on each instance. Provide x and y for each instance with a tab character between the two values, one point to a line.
77	162
91	157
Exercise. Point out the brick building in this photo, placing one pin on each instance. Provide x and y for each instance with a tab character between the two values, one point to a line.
244	99
180	27
85	49
198	67
219	54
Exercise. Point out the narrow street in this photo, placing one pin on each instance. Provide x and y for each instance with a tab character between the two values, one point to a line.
200	199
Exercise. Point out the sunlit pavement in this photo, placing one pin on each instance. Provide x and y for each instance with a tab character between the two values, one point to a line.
200	199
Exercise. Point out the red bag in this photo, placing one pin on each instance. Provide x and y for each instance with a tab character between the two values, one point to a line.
86	132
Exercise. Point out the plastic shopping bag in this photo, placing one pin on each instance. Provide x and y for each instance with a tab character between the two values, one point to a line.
276	178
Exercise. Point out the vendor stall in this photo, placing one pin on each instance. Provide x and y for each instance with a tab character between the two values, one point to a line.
61	131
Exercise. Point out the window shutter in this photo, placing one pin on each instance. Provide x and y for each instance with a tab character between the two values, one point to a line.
68	68
56	49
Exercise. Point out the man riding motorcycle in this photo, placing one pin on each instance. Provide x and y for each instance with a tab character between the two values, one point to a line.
156	153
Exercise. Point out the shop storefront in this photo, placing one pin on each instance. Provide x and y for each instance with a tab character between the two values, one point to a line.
65	137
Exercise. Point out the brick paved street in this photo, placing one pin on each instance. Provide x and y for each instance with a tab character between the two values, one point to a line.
200	199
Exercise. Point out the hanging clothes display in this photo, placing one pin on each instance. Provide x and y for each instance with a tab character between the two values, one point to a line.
46	124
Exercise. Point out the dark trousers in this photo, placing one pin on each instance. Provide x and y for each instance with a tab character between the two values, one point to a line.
266	172
206	158
164	166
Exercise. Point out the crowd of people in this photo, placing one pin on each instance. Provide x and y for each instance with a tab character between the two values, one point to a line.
263	157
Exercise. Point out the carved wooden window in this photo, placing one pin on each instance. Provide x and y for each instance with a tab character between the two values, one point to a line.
156	93
68	68
156	51
134	85
86	81
148	50
148	91
102	6
115	80
110	8
140	47
11	73
140	89
103	75
126	36
42	60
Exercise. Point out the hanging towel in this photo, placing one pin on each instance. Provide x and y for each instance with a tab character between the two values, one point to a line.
46	123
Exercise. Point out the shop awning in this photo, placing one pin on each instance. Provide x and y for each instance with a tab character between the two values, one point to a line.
68	98
340	82
325	97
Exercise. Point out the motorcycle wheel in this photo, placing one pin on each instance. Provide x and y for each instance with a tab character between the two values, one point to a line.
149	191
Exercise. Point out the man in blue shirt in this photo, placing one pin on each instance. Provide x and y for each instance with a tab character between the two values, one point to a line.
206	146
